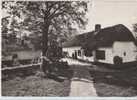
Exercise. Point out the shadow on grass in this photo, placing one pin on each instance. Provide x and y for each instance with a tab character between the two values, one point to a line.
56	78
113	83
125	78
61	75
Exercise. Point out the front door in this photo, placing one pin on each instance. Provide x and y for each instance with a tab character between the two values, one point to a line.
75	54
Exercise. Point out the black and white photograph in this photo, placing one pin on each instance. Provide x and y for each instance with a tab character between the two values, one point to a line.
66	48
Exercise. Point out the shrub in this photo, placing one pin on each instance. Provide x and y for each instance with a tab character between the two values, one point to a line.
117	60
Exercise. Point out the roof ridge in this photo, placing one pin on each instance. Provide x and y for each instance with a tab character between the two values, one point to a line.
106	36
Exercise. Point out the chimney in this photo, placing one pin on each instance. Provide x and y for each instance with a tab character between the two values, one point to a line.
97	27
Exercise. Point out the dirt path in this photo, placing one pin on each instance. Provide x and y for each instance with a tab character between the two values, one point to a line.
81	83
82	88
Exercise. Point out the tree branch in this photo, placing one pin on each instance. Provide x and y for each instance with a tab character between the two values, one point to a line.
49	7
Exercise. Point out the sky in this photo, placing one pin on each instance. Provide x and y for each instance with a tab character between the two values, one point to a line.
112	12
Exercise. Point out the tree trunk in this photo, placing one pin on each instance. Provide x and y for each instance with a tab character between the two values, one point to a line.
45	45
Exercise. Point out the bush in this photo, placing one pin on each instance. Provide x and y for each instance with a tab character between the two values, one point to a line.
117	60
40	74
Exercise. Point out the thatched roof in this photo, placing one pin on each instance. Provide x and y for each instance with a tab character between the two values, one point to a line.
77	40
104	38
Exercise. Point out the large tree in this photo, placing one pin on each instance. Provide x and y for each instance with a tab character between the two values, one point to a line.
53	17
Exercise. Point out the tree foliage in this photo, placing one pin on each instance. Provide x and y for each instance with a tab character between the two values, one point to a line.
55	20
47	17
135	27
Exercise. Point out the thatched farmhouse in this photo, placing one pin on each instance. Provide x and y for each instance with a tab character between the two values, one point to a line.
115	44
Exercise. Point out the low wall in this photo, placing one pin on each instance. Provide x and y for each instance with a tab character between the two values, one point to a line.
21	71
8	63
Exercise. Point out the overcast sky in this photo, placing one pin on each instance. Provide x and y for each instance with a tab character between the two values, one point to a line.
111	12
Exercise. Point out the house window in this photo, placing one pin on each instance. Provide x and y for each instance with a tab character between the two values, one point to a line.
100	54
124	53
79	53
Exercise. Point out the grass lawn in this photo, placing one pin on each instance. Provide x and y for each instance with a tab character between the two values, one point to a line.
35	86
108	84
109	90
118	83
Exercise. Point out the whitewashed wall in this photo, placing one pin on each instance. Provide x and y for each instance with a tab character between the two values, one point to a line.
71	50
82	54
89	58
108	55
117	49
128	47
